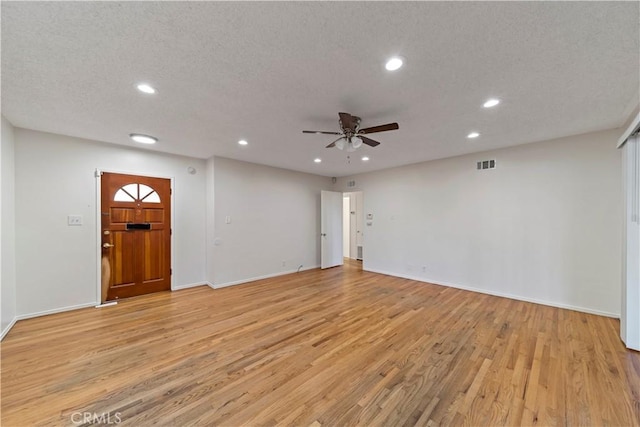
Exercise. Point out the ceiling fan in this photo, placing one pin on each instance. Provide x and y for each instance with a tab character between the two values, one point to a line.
352	137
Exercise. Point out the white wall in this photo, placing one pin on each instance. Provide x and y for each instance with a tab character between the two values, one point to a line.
544	226
7	229
56	264
275	218
210	223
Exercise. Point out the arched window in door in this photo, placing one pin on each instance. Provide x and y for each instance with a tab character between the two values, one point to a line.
136	192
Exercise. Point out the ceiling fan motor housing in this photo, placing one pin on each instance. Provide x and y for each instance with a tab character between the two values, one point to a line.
348	131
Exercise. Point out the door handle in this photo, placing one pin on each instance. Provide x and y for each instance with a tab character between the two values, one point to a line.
107	245
323	234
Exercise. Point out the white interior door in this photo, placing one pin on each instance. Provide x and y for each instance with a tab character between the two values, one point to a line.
330	229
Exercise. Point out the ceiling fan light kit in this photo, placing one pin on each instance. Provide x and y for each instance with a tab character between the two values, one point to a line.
352	137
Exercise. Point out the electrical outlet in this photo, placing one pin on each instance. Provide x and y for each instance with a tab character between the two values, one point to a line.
74	220
424	268
284	263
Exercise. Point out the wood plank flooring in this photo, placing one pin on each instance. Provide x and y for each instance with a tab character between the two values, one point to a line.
339	347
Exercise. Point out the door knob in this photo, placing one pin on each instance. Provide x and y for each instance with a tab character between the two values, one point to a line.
323	234
107	245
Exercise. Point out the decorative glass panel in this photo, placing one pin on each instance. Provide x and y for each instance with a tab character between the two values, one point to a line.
152	198
145	190
132	189
122	196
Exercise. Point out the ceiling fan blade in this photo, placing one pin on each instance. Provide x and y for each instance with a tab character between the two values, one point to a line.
381	128
347	120
370	142
322	132
333	144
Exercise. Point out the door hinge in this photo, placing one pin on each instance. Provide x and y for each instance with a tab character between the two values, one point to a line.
98	173
171	271
170	191
171	232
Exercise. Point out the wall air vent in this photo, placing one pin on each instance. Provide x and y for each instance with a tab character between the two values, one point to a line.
486	164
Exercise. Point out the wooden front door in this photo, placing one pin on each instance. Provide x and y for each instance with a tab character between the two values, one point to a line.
136	235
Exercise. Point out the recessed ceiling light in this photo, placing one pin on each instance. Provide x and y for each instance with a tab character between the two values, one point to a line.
317	160
491	103
243	142
365	159
143	87
473	135
393	64
143	139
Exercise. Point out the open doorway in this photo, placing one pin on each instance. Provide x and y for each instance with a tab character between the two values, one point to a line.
345	227
353	222
341	229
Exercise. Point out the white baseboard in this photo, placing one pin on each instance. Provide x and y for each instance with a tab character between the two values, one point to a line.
266	276
55	310
189	285
499	294
8	328
79	306
89	304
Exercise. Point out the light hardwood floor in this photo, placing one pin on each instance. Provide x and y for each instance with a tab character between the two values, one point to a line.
324	348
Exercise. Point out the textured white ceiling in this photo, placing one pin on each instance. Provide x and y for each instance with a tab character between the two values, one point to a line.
265	71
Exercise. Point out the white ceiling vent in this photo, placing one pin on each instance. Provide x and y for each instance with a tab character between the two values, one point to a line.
486	164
